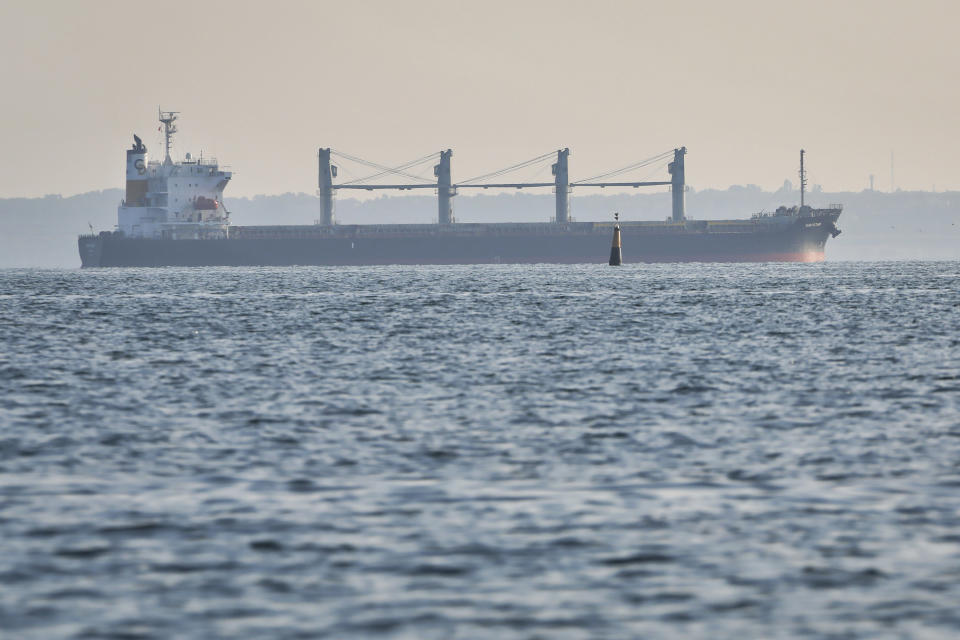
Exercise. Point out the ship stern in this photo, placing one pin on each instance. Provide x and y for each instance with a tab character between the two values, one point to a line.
91	250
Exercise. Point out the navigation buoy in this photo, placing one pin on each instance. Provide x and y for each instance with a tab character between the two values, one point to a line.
616	252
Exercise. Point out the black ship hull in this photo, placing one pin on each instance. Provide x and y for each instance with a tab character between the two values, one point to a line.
793	239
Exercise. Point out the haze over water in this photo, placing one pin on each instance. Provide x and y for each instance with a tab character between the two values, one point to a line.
654	451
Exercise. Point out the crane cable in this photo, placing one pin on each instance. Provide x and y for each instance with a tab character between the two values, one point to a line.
407	165
636	165
384	169
516	167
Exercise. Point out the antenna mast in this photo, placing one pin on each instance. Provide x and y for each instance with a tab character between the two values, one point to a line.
803	178
168	118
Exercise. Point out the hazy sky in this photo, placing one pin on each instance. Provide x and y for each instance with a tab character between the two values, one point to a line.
743	84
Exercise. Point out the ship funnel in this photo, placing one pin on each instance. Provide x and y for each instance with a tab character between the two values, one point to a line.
137	181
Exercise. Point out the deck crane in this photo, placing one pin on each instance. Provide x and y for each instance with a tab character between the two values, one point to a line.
446	189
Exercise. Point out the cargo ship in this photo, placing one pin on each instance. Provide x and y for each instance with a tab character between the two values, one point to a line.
173	214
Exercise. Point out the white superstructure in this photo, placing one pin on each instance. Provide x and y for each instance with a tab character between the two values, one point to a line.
177	200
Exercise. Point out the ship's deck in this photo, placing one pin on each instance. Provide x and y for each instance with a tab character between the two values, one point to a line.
507	229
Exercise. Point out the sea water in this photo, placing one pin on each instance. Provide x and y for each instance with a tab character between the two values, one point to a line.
657	451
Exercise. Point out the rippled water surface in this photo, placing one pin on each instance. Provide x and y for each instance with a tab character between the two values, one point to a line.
481	452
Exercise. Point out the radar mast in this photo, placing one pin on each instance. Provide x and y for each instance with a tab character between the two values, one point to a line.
168	118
